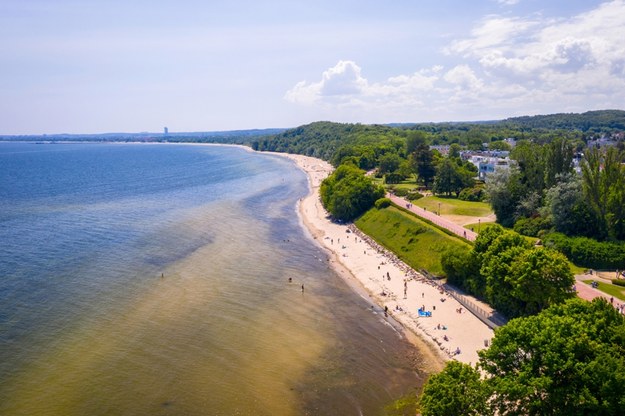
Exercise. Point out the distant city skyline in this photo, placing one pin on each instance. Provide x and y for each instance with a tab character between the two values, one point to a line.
97	66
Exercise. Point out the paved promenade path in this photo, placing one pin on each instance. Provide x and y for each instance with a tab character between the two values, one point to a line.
434	218
585	291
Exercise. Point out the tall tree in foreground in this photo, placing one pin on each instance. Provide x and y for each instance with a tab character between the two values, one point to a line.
457	390
567	360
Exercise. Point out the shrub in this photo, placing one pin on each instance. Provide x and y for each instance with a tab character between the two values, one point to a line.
401	192
475	194
531	226
414	195
586	252
382	203
392	178
618	282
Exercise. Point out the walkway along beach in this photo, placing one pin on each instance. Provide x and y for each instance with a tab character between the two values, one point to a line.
399	292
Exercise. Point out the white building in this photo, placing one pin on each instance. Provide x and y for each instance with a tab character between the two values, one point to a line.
488	164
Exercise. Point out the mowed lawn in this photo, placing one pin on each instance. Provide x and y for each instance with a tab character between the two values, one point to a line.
415	242
453	206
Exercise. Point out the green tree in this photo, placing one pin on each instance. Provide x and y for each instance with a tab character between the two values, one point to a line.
454	151
451	177
569	359
540	277
603	180
558	160
414	140
348	193
566	207
388	163
531	162
486	237
522	280
505	192
499	145
422	160
496	268
462	269
457	390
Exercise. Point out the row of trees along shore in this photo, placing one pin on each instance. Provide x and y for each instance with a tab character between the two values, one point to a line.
559	354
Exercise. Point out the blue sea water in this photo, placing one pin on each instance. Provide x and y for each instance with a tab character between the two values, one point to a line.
152	279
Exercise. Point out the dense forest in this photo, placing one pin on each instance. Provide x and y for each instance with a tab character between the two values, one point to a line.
323	139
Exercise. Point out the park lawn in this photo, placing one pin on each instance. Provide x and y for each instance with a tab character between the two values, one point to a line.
454	206
610	289
577	269
409	184
478	226
415	242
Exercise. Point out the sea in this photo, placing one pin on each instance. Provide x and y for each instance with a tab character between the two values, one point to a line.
153	279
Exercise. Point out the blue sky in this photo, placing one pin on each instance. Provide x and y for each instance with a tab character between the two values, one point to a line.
89	66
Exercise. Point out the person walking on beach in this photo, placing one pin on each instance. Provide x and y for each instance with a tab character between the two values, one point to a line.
302	288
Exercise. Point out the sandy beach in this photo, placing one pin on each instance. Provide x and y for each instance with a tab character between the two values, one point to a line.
451	332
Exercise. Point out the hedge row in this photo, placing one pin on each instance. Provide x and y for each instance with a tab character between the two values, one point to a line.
586	252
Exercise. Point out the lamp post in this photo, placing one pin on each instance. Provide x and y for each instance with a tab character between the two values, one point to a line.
479	223
439	209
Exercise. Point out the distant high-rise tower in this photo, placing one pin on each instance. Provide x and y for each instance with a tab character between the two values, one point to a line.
165	131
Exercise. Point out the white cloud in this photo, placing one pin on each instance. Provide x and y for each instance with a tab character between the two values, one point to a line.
529	47
494	32
507	66
508	2
463	77
344	83
342	80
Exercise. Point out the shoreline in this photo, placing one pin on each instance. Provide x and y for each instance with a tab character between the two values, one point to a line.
383	281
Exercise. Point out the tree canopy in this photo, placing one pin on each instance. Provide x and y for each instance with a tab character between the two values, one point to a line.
516	278
567	360
348	193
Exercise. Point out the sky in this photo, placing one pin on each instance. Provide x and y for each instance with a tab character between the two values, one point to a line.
95	66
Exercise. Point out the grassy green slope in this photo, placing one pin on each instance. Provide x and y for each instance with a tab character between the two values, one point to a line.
418	244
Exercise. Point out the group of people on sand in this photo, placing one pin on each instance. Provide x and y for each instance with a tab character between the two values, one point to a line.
409	274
